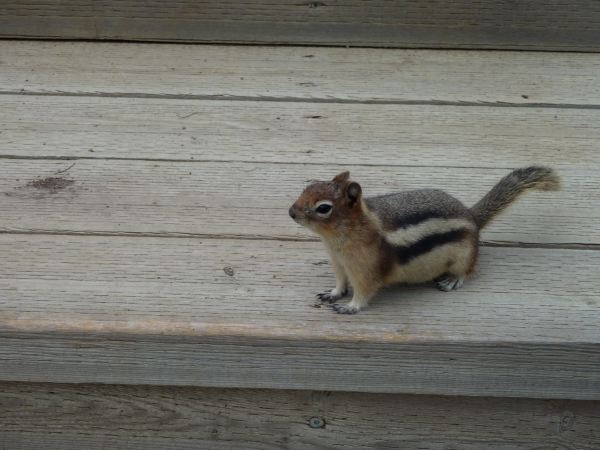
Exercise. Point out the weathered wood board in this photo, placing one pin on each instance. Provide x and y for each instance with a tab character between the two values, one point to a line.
166	256
532	24
168	311
304	74
245	199
316	133
135	417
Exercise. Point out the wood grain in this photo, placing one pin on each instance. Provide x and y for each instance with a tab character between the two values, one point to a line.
353	135
135	417
324	74
533	24
87	295
251	199
165	311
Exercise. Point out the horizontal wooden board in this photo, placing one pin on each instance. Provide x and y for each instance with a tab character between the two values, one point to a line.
233	313
317	133
252	199
533	24
62	417
317	73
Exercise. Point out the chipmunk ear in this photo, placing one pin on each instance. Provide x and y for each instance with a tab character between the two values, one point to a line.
353	193
341	178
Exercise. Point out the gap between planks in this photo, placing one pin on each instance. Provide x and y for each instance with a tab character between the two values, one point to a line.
483	243
283	99
234	161
283	44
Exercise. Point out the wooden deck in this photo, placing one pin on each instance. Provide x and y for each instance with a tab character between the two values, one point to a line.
145	244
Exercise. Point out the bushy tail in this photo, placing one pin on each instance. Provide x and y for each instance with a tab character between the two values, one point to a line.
510	187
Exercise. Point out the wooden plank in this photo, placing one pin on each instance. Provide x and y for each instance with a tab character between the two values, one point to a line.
316	133
250	199
327	74
164	311
533	24
192	276
61	417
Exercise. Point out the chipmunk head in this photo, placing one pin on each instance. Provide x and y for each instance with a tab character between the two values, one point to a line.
323	204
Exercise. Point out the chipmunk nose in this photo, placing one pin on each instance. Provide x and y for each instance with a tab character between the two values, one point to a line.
292	213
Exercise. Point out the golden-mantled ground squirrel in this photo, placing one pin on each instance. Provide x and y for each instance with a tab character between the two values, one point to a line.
406	237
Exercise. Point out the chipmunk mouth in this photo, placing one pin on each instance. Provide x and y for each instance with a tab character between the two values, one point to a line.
295	216
299	221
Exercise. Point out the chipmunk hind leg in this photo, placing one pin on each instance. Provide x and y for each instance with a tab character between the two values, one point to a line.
461	266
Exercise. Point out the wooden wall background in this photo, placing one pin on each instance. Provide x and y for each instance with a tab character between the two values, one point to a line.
493	24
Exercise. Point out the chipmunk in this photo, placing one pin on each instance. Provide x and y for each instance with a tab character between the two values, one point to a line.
406	237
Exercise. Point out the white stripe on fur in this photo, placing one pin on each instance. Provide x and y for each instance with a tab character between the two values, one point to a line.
413	233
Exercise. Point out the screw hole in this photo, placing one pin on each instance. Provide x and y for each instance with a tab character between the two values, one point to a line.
316	422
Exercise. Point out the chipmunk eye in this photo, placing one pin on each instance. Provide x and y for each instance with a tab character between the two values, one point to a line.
324	208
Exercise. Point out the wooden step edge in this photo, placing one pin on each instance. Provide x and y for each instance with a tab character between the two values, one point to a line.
419	366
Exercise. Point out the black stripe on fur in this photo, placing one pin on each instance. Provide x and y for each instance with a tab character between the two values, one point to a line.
406	253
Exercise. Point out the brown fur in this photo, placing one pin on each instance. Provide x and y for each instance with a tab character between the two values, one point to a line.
409	237
346	219
475	255
352	235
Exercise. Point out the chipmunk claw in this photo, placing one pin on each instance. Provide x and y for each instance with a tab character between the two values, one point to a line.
344	309
449	283
331	296
326	297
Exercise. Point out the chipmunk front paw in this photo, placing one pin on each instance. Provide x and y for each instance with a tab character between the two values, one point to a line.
331	296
